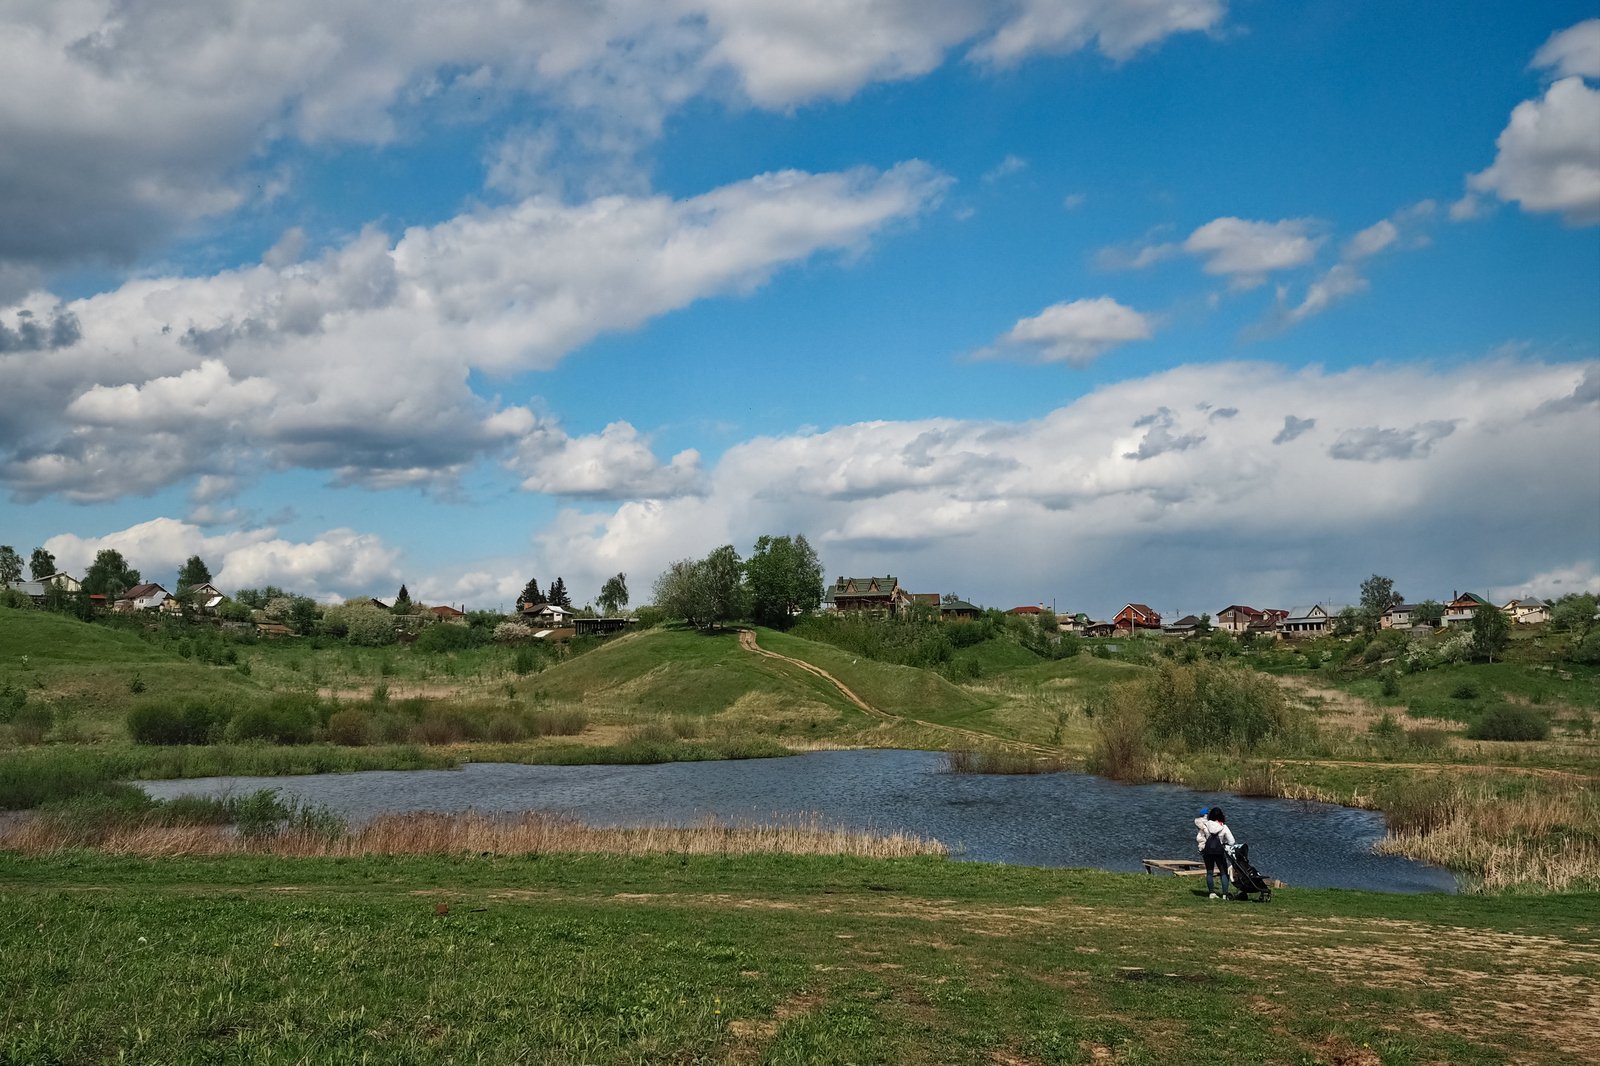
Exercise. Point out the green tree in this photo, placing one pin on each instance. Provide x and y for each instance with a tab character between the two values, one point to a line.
1377	596
530	592
1346	622
614	594
558	594
677	592
109	575
193	572
784	578
10	566
1429	613
41	564
303	614
1574	612
723	573
1490	631
402	601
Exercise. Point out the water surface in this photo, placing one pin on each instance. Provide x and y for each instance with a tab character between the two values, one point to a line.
1035	820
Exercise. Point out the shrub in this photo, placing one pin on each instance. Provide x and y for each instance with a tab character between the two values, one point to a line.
1508	722
447	636
1385	728
1464	691
512	633
282	720
525	662
507	728
1121	748
650	733
13	697
391	729
558	721
259	813
1206	706
1391	684
30	724
136	686
351	727
193	722
1259	779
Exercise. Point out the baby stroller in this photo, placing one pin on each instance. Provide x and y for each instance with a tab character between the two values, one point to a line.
1246	878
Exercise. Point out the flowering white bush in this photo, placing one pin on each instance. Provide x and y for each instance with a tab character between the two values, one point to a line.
1456	649
512	632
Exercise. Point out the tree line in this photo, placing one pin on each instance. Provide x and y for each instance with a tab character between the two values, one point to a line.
780	580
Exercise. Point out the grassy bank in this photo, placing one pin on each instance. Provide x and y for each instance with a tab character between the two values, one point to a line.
600	959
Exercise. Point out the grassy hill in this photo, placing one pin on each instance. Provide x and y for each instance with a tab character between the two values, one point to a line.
91	674
672	671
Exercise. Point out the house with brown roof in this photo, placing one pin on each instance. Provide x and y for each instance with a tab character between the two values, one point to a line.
1136	616
446	613
954	610
1236	618
146	597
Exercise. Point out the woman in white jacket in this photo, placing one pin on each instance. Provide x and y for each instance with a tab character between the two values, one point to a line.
1212	835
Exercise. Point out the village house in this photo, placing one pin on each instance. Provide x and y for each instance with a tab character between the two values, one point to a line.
1527	612
1398	616
445	613
206	597
869	595
1311	621
1461	608
1099	629
64	582
1269	625
1236	618
146	597
958	611
547	614
1186	626
1135	617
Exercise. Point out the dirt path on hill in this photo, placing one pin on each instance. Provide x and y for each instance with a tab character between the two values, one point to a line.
747	640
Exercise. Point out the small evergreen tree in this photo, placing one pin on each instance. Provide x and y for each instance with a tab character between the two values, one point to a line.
530	592
402	601
558	594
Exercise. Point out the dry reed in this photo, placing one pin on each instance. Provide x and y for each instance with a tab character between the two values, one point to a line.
472	833
1542	842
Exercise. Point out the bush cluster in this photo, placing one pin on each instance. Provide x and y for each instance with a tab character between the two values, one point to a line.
1508	722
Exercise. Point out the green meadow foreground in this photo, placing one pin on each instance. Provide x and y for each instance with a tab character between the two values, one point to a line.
245	931
779	959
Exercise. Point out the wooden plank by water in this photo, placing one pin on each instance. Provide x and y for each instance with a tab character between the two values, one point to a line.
1177	867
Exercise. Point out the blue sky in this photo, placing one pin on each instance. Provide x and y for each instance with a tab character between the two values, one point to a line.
1186	303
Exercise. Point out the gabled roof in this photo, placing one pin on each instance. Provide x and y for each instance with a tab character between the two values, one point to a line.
445	611
1248	612
1140	608
139	592
866	586
1466	599
1401	608
958	605
28	588
1188	621
1026	610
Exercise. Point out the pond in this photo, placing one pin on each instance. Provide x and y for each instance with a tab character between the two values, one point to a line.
1036	820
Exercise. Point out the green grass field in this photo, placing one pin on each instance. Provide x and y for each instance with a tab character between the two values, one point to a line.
598	959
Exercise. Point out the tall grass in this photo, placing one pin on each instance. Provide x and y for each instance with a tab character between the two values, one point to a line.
471	833
1538	842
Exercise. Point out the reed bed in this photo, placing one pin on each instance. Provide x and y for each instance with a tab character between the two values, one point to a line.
472	833
1539	842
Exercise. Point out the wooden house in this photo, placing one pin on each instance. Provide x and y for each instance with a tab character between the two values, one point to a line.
1461	608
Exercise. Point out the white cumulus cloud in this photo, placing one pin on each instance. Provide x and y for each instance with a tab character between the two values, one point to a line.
1075	333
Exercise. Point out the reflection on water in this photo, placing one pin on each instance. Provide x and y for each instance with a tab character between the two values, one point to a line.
1045	820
